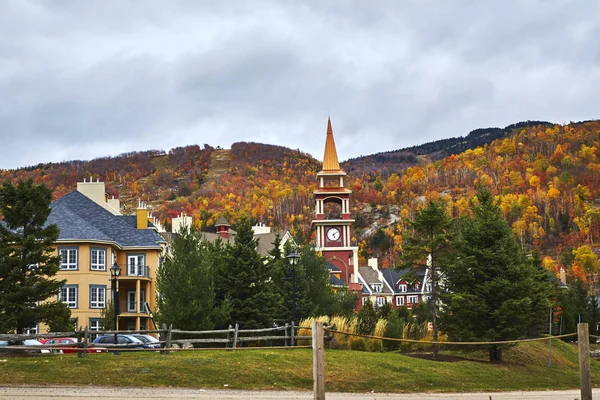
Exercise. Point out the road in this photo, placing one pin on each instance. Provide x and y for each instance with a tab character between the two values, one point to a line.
105	393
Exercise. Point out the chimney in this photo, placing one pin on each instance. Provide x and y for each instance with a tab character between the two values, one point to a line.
372	262
96	191
142	215
114	203
180	222
563	276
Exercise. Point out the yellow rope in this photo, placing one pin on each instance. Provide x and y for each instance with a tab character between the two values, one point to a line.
453	343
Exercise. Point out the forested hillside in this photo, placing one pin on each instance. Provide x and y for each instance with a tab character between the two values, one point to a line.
547	178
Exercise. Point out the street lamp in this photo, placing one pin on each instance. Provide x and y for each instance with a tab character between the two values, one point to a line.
115	271
293	258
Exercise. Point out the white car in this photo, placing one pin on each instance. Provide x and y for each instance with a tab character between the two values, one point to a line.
26	342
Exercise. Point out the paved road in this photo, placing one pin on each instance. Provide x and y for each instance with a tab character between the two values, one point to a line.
80	393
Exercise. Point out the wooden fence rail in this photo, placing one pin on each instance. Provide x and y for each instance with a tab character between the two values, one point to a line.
232	337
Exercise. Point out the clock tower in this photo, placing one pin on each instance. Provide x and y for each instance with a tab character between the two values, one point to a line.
332	221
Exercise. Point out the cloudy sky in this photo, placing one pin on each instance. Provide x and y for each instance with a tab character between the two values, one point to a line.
84	79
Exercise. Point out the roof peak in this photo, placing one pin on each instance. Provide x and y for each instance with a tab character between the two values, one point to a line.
330	158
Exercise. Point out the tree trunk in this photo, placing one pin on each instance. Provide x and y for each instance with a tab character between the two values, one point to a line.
495	353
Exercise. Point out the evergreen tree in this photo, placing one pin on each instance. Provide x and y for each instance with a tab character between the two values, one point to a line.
245	280
367	318
28	291
494	292
431	246
319	295
186	284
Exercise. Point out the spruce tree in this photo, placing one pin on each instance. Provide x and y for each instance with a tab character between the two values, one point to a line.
245	280
186	284
431	246
494	292
28	291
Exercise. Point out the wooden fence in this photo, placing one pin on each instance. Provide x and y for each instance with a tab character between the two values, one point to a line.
175	339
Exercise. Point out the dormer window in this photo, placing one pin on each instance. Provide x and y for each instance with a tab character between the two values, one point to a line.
402	287
377	287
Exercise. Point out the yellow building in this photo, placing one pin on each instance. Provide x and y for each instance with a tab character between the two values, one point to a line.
93	237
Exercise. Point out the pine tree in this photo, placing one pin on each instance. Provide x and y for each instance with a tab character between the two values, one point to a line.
431	246
245	280
494	292
186	284
28	291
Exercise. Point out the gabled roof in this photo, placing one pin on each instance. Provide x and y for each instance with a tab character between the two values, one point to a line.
371	277
79	218
393	276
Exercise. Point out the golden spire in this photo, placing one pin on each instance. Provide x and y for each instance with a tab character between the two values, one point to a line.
330	159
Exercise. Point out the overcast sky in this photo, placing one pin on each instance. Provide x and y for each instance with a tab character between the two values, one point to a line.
85	79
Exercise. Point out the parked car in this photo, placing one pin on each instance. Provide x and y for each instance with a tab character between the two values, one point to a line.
124	341
149	340
26	342
69	345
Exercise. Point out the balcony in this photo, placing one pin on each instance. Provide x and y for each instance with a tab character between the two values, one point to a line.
136	271
129	307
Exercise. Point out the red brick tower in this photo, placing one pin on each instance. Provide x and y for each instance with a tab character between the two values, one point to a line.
332	221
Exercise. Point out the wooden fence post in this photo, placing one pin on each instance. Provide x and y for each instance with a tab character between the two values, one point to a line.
332	333
583	343
79	343
86	338
162	336
229	336
285	334
293	339
318	347
235	335
169	337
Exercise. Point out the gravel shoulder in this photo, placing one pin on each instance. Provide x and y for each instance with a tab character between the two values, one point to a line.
115	393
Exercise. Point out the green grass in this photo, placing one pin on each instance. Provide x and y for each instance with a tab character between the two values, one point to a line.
524	368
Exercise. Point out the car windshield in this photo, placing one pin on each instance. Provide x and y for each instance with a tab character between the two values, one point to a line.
147	338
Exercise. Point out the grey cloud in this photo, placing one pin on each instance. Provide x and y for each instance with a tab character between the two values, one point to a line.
88	79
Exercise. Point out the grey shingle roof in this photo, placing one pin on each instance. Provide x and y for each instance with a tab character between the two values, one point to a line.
80	218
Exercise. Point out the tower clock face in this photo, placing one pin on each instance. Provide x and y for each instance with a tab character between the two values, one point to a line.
333	234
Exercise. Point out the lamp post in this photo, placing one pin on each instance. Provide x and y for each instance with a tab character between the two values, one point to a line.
115	271
293	258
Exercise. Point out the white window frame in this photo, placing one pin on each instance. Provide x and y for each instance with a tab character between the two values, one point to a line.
412	299
132	300
99	292
100	255
377	287
136	268
428	287
68	264
403	287
69	291
380	301
400	300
